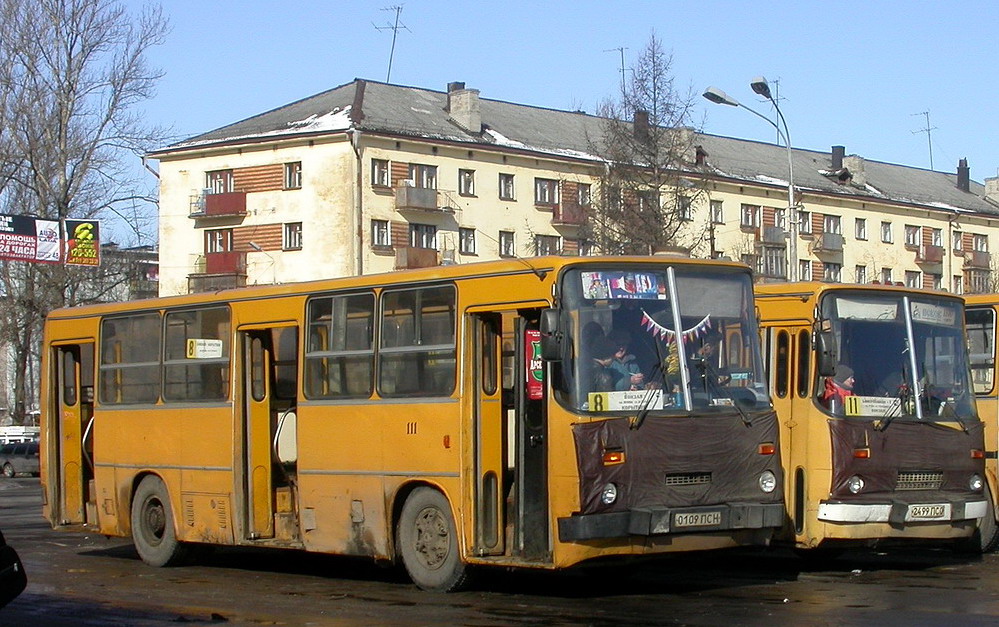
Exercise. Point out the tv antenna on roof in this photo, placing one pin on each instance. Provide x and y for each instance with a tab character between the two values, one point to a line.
621	50
395	28
928	130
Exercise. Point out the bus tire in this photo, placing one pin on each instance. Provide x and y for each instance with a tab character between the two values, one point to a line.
152	525
8	471
428	542
986	537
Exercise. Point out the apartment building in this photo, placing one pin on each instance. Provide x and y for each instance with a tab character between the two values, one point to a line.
370	177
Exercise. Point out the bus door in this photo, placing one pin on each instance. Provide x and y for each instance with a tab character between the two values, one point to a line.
74	432
509	456
270	432
790	360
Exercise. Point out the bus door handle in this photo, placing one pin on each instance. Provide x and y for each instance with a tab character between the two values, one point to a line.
536	440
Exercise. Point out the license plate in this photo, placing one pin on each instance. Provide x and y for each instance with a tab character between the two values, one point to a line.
697	519
926	511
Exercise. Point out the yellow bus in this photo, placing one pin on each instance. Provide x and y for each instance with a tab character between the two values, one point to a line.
442	418
880	436
980	319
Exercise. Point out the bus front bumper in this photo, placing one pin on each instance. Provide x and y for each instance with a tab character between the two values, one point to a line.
900	512
675	520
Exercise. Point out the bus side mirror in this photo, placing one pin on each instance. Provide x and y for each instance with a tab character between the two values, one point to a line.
551	335
825	353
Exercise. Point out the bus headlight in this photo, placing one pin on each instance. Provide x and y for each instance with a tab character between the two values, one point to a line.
855	484
609	494
975	483
768	482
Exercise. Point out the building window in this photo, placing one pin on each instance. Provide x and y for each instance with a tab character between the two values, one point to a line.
218	182
466	241
860	228
774	263
804	270
218	241
911	235
506	190
684	208
545	192
832	272
805	222
506	245
886	236
978	281
585	247
861	272
547	245
750	216
780	219
717	212
937	281
584	193
980	243
380	234
423	235
958	241
831	224
957	284
380	172
292	236
886	276
466	182
936	237
293	175
750	260
912	279
423	176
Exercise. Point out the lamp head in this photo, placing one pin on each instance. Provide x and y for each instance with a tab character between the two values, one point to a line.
717	96
762	87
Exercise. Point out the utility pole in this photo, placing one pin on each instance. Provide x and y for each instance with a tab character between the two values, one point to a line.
621	50
928	130
395	28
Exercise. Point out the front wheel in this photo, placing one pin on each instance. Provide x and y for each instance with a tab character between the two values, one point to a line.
8	471
986	537
428	542
152	525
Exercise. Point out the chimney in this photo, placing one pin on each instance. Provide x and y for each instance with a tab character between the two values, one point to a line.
963	175
838	152
641	125
463	105
700	155
855	165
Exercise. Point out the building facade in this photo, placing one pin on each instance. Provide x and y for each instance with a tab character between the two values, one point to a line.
370	177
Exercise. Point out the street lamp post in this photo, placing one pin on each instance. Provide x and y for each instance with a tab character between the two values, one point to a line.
761	87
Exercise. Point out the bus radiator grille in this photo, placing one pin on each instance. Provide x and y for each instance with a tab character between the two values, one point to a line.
919	480
688	478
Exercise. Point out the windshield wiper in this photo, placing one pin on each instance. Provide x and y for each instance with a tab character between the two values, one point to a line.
658	376
711	380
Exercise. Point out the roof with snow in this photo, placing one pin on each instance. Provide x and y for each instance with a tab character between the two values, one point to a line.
377	107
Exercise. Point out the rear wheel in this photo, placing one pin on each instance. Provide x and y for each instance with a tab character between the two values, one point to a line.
428	542
152	525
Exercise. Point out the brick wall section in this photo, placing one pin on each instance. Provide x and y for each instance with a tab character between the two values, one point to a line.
398	171
570	246
927	279
818	268
400	234
769	216
818	224
261	178
967	241
927	236
267	236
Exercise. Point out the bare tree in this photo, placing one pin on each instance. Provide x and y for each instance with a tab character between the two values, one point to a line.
71	75
648	193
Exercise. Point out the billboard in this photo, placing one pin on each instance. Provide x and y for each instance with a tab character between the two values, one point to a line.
38	240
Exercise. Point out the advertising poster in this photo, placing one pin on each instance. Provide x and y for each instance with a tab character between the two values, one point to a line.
83	242
24	238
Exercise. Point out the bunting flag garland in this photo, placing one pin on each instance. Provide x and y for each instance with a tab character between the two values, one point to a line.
661	332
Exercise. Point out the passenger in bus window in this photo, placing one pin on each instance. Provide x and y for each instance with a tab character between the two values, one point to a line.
629	376
838	387
603	376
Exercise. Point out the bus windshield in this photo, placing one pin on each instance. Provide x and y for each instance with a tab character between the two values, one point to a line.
661	337
872	336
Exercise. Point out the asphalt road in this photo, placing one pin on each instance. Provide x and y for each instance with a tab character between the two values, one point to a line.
88	580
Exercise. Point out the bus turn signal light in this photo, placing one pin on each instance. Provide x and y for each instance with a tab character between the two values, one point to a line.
767	448
612	458
977	454
862	453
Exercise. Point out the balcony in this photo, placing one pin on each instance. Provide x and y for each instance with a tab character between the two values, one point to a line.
416	198
218	271
413	257
977	259
229	204
828	243
773	235
568	215
930	254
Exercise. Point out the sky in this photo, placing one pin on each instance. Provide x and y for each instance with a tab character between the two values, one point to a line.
870	76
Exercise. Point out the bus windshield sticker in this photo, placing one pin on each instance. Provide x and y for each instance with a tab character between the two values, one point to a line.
872	406
626	400
866	309
204	349
623	285
934	314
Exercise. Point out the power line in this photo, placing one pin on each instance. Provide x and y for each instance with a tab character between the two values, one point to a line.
928	130
395	28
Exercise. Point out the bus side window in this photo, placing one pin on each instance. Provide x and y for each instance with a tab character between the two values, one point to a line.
804	361
783	358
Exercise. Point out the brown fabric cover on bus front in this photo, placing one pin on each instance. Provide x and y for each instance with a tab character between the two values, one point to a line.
674	448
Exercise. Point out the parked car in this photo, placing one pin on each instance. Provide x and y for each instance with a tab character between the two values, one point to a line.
19	458
12	576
